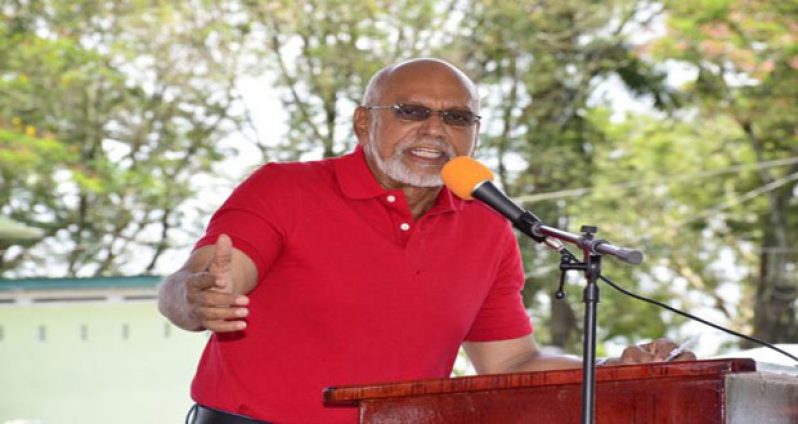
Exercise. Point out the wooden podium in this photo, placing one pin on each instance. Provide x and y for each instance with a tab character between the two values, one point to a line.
675	392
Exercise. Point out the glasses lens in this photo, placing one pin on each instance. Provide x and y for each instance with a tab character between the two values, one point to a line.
460	118
412	112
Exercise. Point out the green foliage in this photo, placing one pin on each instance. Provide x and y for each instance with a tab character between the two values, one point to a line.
323	54
746	57
134	101
109	111
540	64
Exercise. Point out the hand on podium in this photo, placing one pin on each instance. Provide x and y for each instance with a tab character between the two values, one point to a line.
660	350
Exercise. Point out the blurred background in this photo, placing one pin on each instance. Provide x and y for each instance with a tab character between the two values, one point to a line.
123	124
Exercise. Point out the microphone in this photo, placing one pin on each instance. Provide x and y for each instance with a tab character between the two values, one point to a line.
469	179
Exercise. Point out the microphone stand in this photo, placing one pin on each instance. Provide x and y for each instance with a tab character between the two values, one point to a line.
592	250
591	265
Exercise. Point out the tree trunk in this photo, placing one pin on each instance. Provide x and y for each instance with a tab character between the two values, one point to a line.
775	311
776	301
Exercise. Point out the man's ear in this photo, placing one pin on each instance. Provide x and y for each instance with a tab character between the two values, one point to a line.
361	123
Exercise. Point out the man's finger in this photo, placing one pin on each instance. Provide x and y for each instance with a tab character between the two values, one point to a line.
214	314
224	326
664	349
637	354
685	356
631	355
217	298
200	281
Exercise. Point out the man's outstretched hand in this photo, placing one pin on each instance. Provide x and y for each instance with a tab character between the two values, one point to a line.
210	295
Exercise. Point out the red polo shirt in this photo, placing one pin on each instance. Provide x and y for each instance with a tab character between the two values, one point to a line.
352	290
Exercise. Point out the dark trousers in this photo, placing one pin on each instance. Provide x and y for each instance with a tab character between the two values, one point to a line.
199	414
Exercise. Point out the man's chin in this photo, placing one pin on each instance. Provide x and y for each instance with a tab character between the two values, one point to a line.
418	180
425	183
412	174
433	184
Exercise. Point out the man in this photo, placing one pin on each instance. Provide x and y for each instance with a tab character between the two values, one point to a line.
359	269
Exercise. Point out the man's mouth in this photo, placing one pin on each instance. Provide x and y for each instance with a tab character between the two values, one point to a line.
428	153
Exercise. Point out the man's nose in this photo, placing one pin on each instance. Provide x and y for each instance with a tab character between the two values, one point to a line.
434	125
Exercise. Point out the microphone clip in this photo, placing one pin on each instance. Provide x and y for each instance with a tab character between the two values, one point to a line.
528	222
568	262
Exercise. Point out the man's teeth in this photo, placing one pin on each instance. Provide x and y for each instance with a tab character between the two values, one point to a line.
426	153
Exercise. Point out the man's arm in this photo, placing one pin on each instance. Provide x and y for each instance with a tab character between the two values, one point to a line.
523	354
208	292
514	355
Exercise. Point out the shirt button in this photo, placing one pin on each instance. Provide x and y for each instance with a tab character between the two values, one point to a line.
405	226
391	198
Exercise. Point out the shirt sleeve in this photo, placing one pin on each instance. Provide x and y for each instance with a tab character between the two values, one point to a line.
256	217
503	315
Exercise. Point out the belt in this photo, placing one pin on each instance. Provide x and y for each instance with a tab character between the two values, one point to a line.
205	415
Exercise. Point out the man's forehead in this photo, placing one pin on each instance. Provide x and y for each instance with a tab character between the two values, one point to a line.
428	69
435	101
422	79
434	96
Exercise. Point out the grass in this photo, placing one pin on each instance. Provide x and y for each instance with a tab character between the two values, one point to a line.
94	363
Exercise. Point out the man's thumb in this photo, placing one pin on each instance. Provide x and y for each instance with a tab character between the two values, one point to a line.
223	254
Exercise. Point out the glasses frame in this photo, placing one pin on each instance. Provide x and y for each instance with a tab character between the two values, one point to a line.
442	113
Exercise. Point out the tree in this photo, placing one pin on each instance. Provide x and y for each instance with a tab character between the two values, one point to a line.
137	94
540	64
108	113
745	56
323	53
23	156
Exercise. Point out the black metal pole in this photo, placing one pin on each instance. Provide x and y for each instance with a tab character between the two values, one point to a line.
591	298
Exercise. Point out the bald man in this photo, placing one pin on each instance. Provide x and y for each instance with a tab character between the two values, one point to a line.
358	269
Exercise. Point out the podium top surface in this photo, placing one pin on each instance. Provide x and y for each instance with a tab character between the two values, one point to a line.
353	395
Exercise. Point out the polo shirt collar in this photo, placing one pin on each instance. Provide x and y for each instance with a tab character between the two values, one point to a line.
447	201
356	181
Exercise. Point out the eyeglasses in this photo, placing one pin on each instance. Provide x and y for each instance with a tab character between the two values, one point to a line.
409	112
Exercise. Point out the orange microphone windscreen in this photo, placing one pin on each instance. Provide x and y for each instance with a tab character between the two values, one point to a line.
462	174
